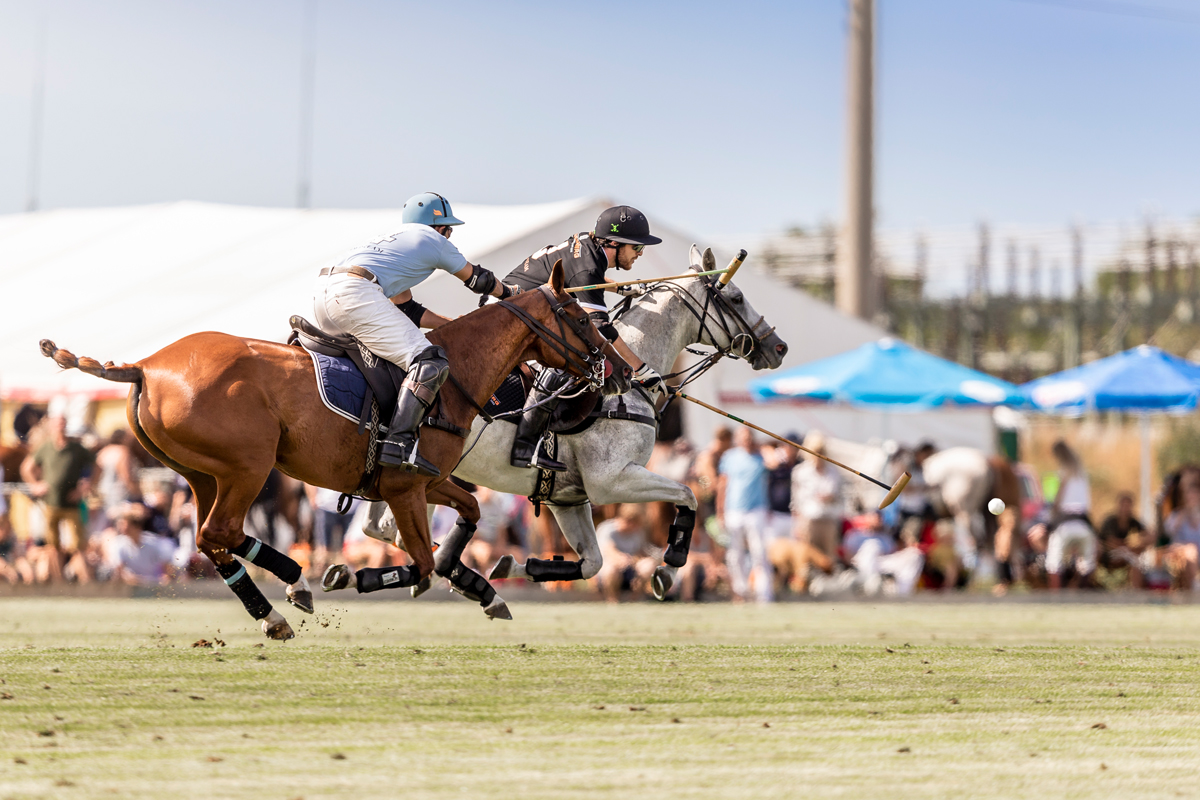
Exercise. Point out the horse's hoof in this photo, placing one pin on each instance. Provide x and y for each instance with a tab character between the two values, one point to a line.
422	587
503	568
276	627
300	595
498	609
337	576
661	583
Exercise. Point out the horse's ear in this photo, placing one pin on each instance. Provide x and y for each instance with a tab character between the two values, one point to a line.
710	261
556	277
695	259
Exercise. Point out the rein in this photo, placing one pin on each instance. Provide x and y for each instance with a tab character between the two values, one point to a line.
742	345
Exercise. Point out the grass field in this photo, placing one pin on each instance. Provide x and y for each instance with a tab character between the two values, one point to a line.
108	698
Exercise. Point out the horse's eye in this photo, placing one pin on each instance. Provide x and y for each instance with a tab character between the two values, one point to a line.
739	299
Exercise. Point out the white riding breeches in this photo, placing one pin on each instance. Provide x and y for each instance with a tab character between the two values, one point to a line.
347	304
1072	542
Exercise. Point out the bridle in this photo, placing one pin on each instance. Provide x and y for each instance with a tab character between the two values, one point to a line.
589	364
716	308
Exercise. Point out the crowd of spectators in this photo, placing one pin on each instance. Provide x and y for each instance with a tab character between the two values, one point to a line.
769	525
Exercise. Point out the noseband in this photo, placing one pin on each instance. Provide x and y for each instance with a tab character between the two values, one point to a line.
589	364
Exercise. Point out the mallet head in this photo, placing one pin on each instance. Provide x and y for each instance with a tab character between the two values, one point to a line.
896	489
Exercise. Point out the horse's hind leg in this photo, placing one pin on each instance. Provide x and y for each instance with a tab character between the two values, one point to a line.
221	537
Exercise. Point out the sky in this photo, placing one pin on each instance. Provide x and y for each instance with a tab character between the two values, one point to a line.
716	118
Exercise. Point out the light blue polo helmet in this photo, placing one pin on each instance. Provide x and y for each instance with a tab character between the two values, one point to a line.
429	208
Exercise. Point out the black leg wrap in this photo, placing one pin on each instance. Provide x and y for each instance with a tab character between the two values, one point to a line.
542	570
471	585
450	549
372	579
679	538
250	595
261	554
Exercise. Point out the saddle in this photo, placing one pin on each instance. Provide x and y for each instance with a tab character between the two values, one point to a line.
383	381
382	376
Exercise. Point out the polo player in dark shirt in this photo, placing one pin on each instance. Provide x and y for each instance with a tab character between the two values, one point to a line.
617	242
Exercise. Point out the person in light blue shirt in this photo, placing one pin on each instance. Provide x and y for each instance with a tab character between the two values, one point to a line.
368	295
742	505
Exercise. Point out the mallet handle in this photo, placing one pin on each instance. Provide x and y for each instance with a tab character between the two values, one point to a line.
684	276
780	438
733	267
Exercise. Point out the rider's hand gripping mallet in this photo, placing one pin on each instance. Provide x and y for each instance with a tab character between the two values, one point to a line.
893	491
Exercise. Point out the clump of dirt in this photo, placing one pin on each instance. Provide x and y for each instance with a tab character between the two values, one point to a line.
202	643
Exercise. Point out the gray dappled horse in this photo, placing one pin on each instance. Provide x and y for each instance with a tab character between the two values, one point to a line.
607	462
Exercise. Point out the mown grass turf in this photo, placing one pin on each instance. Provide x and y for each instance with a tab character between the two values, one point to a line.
418	699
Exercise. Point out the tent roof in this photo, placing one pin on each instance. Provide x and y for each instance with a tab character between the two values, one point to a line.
120	283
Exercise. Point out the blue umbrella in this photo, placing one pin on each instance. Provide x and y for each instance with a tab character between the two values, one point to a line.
887	373
1143	379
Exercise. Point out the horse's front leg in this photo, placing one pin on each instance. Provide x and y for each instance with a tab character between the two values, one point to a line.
636	484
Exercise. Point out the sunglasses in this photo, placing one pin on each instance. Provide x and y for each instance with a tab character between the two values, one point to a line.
637	248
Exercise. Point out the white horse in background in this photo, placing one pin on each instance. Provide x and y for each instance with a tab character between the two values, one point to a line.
607	462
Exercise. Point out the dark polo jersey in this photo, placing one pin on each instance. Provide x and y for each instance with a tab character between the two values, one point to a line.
584	264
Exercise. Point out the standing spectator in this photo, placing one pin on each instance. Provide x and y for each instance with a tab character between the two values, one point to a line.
1123	540
1183	526
328	526
14	568
706	470
914	500
628	559
780	460
116	482
1072	537
742	507
816	499
58	475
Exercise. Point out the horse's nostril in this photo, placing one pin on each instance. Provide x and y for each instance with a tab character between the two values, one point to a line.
781	349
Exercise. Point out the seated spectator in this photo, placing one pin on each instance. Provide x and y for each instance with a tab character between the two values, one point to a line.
498	532
1183	527
873	553
1123	543
133	555
14	567
629	561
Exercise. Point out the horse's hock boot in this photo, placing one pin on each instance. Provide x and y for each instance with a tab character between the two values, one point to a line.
527	450
425	377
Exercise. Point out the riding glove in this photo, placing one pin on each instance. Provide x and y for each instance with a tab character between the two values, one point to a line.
649	378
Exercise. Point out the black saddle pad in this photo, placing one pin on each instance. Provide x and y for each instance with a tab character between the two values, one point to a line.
513	393
509	397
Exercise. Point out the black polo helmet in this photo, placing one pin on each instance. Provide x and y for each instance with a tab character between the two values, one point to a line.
624	224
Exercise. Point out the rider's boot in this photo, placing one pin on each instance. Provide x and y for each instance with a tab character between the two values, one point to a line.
526	450
426	375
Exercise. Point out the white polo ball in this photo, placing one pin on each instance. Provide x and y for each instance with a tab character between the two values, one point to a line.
996	506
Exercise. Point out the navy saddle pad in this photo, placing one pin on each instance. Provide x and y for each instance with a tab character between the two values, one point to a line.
343	388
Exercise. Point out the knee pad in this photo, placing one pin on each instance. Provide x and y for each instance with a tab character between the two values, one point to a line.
551	380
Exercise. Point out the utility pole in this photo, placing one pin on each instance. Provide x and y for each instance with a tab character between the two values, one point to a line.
853	290
35	128
308	69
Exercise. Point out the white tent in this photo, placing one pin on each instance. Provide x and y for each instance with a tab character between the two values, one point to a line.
120	283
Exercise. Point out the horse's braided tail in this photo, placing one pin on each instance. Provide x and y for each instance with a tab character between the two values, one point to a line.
126	373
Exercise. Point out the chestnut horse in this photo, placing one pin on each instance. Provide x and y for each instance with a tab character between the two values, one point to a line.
223	410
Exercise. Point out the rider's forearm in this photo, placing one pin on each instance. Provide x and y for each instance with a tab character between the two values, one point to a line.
432	320
631	358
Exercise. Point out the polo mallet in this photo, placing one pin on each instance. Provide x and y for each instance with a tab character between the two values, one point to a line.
684	276
726	276
893	491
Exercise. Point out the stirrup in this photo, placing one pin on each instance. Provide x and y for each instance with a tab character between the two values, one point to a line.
392	454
